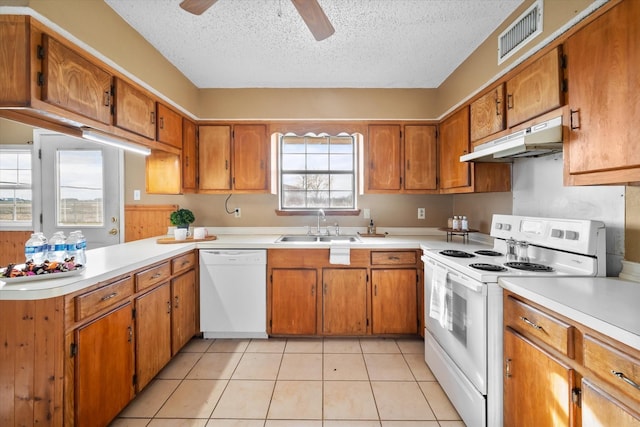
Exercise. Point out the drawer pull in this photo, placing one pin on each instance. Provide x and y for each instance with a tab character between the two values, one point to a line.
626	379
394	258
177	298
156	275
507	368
108	297
185	262
530	323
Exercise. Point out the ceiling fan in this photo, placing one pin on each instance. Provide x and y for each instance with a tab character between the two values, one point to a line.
309	10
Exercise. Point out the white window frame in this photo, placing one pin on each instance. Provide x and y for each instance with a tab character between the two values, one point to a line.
34	224
354	174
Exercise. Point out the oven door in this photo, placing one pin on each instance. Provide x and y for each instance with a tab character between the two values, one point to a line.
464	336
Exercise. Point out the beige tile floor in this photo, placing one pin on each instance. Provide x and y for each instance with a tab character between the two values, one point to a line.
331	382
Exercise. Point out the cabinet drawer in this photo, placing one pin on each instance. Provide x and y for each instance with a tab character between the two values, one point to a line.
183	262
393	257
531	322
620	369
94	301
154	275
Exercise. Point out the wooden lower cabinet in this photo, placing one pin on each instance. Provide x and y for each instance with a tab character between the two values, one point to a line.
537	386
344	301
153	333
184	311
104	367
599	408
293	301
394	306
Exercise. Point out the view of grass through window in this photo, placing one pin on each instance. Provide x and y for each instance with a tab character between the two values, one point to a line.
16	195
317	172
81	187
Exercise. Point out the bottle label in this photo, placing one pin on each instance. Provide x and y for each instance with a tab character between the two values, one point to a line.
57	247
81	244
30	250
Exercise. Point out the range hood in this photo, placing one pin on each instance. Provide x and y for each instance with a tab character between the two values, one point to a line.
538	140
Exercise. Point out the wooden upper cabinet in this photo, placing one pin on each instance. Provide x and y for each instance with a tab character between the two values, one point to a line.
384	158
169	126
487	113
163	174
604	99
214	157
72	82
420	161
134	110
14	61
189	156
250	158
454	142
536	89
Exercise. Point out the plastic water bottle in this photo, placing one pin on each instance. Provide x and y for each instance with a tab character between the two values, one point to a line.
34	249
57	247
76	246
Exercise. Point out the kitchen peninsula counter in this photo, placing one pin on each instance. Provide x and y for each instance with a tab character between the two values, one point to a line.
604	304
108	262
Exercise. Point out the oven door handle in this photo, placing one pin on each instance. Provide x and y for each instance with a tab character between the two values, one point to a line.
468	283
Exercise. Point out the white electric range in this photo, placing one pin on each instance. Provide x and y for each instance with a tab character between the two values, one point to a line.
463	302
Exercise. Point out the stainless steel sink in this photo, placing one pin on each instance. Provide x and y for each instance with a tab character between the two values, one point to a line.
309	238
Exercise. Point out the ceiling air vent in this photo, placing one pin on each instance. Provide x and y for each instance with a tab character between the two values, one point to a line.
526	27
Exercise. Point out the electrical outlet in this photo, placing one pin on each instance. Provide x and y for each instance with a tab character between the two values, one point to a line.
367	213
421	213
237	212
136	194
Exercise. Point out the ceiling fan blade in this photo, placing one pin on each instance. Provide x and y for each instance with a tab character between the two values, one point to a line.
197	7
314	17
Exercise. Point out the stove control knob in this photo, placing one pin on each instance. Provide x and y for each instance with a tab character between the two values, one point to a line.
572	235
507	227
557	233
498	225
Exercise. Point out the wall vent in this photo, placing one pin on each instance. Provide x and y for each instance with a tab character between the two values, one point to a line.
520	32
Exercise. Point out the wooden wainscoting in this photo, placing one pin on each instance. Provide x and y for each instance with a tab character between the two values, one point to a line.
12	246
143	221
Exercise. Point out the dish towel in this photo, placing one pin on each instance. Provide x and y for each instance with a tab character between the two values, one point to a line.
340	253
441	294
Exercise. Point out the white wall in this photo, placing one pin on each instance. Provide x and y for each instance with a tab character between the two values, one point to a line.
538	191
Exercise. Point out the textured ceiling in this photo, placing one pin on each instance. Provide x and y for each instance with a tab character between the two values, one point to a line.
265	43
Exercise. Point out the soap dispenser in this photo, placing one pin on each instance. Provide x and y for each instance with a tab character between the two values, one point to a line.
372	227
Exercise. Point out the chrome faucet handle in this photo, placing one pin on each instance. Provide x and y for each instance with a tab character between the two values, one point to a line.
337	226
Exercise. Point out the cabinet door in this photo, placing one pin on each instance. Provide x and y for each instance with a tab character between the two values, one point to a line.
163	173
250	158
214	157
14	61
384	158
344	301
74	83
537	387
487	114
602	73
104	367
454	142
535	90
134	110
293	301
394	307
599	409
189	157
420	164
153	333
169	126
183	320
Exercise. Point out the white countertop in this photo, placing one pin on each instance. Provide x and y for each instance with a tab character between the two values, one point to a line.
108	262
608	305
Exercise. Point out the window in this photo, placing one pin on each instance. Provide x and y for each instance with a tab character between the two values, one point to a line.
16	193
317	172
80	188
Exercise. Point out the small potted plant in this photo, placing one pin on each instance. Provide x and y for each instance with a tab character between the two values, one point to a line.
182	218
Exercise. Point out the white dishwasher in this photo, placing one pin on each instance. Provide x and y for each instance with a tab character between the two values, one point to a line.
233	293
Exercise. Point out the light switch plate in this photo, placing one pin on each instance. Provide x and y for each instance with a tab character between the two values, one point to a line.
367	213
136	194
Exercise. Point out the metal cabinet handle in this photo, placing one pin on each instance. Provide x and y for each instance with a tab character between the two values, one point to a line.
161	122
107	98
498	102
626	379
156	275
313	289
130	330
375	290
108	297
507	368
509	101
530	323
168	307
153	118
408	164
177	298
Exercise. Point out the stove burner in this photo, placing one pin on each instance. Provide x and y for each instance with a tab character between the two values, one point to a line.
487	267
456	254
488	253
528	266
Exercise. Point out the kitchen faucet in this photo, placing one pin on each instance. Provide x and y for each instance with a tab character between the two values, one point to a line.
324	218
